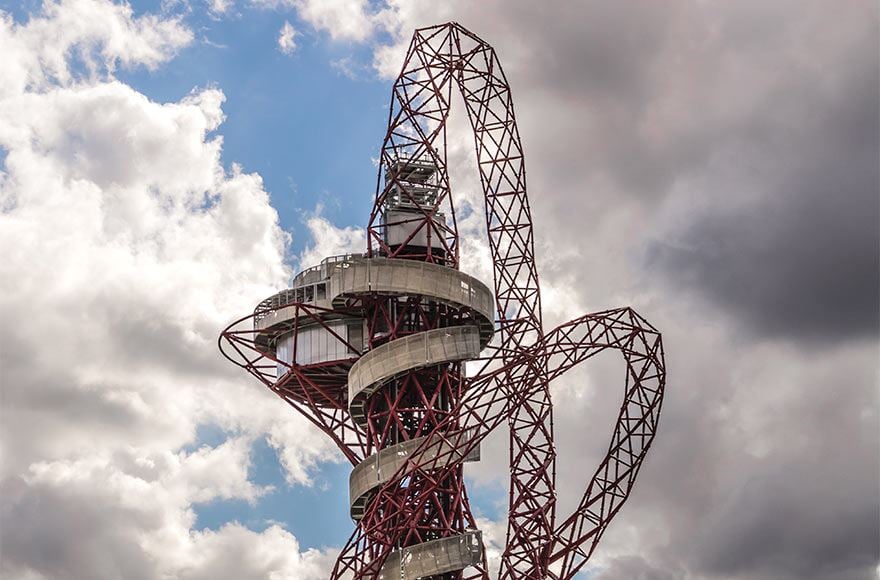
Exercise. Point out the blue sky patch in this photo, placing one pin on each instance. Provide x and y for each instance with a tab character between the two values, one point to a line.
316	515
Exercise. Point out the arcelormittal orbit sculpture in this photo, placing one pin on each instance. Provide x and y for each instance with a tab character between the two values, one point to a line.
371	348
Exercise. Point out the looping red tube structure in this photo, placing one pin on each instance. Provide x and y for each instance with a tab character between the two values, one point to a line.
371	349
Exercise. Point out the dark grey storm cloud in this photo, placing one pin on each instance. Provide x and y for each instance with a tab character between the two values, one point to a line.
716	167
48	518
633	568
777	538
801	257
760	120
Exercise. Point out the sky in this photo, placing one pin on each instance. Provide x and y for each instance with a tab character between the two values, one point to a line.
164	166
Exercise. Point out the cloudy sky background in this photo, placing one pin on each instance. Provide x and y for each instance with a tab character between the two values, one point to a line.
164	166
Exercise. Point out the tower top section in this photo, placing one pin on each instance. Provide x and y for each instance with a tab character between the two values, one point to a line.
411	183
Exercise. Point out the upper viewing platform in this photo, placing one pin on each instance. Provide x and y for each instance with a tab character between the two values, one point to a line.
309	286
412	169
348	276
416	183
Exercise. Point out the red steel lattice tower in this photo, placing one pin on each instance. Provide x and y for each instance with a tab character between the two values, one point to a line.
371	349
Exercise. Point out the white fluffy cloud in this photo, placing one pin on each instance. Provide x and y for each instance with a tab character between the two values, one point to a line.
347	20
128	245
219	7
95	34
287	39
132	518
330	240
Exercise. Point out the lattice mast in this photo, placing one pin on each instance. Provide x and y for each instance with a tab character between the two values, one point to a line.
438	58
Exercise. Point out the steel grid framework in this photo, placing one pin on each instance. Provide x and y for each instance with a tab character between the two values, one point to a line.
437	412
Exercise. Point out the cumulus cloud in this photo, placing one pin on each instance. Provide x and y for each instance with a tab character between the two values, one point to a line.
345	20
132	518
330	240
97	35
220	7
128	245
286	39
237	552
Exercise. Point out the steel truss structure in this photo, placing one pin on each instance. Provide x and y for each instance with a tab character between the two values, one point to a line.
371	348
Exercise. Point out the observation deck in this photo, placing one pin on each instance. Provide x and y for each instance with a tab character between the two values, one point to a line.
318	325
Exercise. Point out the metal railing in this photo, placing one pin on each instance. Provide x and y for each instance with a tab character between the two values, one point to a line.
300	292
